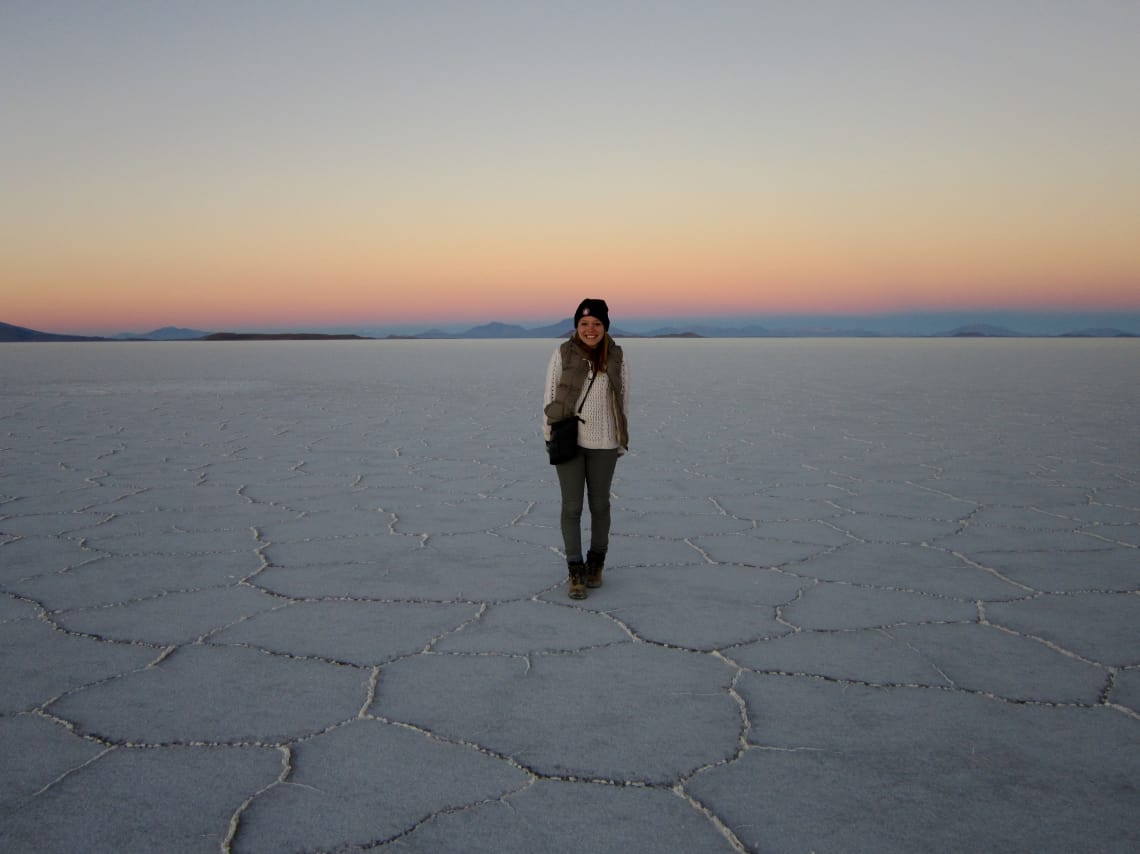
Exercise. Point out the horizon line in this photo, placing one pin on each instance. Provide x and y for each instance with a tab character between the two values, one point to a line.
902	323
644	321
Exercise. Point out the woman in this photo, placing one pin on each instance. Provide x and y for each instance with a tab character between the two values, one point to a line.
588	373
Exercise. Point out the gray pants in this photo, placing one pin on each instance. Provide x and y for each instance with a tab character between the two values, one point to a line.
589	473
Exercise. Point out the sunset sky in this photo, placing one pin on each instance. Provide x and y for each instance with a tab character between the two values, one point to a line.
271	164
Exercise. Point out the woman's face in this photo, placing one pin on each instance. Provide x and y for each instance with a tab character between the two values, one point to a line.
591	331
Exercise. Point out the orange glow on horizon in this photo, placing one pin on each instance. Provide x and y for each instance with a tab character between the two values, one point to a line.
285	276
236	303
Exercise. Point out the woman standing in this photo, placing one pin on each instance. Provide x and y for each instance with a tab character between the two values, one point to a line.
588	375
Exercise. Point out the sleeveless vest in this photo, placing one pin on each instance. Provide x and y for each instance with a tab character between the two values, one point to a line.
575	375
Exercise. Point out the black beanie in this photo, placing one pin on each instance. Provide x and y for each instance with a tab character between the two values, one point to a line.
593	308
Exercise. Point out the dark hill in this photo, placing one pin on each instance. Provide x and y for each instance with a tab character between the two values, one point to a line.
1099	332
8	332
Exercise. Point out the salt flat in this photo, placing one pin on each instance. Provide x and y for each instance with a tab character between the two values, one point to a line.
862	596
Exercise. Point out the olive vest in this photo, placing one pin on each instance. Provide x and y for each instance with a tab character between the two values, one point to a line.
575	373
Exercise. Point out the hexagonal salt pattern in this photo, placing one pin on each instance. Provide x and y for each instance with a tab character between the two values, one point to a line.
860	595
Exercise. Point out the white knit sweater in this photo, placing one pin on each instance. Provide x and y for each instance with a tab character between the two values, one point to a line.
599	430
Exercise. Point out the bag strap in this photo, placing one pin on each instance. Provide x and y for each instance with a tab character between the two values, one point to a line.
578	414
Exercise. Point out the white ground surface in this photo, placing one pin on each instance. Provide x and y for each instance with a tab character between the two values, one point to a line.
862	596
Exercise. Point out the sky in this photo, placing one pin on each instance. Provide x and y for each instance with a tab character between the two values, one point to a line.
271	164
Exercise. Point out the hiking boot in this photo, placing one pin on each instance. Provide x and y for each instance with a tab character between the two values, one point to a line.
577	580
595	562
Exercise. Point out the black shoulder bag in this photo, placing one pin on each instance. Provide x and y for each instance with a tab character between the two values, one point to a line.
563	444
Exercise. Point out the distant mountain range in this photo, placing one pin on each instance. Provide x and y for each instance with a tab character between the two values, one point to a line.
166	333
502	331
